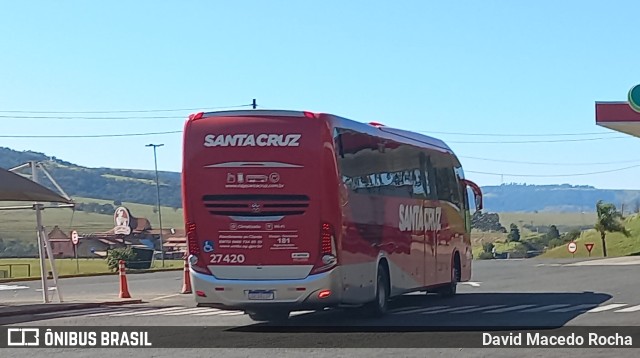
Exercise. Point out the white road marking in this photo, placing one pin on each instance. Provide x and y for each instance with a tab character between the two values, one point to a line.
402	309
214	312
546	308
157	311
479	309
508	309
167	296
108	311
298	313
575	308
474	284
134	312
187	311
607	307
12	287
630	309
422	309
449	309
232	313
85	311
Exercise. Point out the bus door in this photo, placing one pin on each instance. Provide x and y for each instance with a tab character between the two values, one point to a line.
430	238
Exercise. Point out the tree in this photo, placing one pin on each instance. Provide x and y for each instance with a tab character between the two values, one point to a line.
553	233
608	221
487	247
514	235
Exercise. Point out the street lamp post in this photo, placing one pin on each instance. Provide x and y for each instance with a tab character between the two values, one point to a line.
158	197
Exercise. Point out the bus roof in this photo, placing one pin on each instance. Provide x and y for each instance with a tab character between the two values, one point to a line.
375	129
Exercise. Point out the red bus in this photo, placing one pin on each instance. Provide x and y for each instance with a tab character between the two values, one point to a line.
292	210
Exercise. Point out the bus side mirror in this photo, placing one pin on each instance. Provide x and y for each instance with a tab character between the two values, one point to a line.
477	193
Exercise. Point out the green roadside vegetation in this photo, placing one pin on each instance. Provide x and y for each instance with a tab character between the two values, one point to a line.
617	243
547	235
20	267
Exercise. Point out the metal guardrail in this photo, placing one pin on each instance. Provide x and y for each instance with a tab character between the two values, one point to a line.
11	268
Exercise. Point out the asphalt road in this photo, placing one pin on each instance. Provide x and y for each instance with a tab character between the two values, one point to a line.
147	286
506	294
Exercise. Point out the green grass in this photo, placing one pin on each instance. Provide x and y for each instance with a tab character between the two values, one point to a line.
547	219
119	177
617	244
20	224
68	266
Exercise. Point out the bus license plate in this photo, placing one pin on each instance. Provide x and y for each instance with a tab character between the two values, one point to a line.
261	295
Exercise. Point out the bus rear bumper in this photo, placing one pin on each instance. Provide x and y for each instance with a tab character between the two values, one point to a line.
303	294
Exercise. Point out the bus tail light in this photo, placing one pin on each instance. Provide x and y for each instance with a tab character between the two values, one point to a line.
328	250
194	250
192	239
324	293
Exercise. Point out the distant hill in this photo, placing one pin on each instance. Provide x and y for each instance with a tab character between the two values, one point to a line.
555	198
138	186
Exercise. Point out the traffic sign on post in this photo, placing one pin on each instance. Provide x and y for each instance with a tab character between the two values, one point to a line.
572	247
74	240
74	237
589	246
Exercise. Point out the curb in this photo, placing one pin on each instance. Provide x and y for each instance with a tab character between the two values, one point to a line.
22	279
58	307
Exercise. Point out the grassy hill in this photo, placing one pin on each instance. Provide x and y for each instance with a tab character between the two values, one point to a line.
135	186
617	244
20	224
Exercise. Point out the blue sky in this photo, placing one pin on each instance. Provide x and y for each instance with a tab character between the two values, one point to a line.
472	67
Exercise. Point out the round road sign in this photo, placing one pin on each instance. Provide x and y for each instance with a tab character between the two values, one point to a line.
74	237
572	247
634	98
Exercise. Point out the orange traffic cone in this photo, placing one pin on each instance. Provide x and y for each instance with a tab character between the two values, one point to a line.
124	288
186	286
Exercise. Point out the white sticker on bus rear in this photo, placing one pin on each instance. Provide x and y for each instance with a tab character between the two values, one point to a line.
251	140
300	255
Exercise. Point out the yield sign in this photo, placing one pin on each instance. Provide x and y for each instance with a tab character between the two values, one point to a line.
589	246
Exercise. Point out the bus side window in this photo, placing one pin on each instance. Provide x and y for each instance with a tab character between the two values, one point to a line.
447	186
428	176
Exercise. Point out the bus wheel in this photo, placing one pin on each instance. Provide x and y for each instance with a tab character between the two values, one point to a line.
378	307
451	288
269	316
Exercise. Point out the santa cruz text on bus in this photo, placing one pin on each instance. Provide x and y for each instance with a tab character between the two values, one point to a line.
251	140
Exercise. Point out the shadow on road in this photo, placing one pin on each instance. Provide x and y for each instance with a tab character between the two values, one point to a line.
464	312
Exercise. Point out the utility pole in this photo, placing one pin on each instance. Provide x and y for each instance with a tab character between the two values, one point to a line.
155	160
254	103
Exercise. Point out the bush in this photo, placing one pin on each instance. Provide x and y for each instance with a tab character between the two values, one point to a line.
485	256
118	254
555	243
487	247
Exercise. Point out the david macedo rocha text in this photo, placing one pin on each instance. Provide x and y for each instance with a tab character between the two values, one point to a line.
538	339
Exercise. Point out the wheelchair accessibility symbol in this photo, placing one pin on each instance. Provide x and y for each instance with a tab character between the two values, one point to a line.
208	246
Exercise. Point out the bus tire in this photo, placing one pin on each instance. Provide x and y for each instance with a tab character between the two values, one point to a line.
269	316
378	307
451	288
